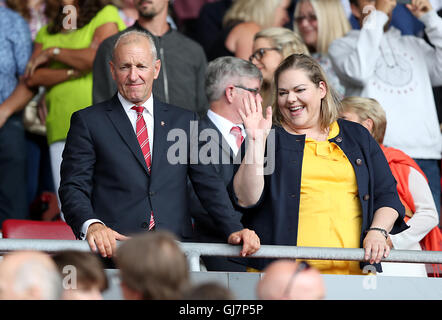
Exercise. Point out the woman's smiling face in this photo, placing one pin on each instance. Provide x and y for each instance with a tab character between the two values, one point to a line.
299	99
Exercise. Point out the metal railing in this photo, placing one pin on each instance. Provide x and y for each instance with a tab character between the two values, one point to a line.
194	251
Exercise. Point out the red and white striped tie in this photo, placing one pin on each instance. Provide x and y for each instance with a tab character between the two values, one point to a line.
143	140
236	132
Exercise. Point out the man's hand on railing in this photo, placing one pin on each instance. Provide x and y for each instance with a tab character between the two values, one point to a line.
103	239
249	239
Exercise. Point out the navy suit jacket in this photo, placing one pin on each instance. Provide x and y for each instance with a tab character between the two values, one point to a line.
223	161
205	227
104	175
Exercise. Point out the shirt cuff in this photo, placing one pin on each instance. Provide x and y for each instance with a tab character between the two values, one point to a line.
85	227
376	18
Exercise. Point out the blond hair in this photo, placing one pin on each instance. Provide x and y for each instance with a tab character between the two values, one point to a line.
332	22
259	11
287	41
330	104
368	108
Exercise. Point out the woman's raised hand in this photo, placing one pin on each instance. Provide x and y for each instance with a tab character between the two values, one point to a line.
256	124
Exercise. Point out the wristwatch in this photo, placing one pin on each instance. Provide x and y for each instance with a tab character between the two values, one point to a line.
56	51
383	231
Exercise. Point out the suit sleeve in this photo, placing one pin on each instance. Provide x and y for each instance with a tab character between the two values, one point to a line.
77	170
103	85
212	193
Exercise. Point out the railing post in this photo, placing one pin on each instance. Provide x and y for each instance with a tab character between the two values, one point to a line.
193	258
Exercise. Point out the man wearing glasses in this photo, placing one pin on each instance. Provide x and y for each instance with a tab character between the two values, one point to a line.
228	81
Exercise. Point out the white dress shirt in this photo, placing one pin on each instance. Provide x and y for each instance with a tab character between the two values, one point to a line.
224	126
132	115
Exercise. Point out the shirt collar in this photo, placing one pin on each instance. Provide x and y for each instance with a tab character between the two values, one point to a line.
222	123
127	105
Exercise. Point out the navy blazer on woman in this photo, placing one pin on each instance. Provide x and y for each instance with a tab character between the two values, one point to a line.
104	175
275	217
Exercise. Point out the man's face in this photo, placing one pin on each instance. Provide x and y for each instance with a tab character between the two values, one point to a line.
241	93
134	70
151	8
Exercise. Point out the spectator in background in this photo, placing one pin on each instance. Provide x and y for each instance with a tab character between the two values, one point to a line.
412	187
270	47
399	72
39	175
15	52
186	13
152	267
228	80
29	275
319	23
242	21
210	22
83	275
62	62
290	280
127	11
33	11
183	63
331	185
208	291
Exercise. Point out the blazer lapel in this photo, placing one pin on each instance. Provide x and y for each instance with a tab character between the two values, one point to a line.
122	123
161	128
207	123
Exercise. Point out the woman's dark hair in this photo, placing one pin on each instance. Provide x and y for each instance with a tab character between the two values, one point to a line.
20	7
87	9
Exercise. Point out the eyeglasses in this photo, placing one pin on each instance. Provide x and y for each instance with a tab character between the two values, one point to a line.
301	267
258	54
254	91
310	18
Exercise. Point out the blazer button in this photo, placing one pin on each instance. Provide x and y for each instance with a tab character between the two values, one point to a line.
293	195
144	225
339	139
358	162
151	193
366	197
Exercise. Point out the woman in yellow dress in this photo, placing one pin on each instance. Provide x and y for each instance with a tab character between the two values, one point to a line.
330	186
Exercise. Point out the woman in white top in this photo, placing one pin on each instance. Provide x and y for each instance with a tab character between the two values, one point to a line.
413	188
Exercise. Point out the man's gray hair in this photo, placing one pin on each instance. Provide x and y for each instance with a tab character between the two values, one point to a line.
36	274
131	36
223	70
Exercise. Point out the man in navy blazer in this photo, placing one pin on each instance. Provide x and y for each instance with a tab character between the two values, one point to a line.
228	81
107	191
